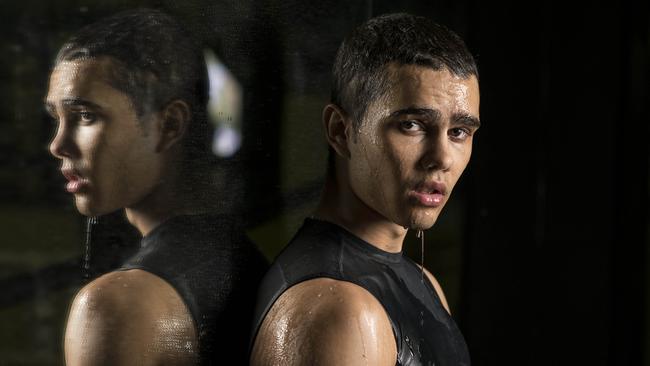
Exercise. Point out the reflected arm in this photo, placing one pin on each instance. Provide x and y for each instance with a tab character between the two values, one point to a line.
129	318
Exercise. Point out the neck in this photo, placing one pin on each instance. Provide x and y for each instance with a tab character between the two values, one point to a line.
163	203
341	206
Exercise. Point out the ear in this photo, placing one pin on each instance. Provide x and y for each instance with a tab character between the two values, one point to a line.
174	119
337	129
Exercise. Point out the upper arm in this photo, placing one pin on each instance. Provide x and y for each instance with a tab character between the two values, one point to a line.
325	322
129	319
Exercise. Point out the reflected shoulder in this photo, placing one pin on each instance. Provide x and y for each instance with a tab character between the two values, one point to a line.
128	318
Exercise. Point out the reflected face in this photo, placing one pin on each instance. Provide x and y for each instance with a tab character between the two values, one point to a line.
108	154
414	144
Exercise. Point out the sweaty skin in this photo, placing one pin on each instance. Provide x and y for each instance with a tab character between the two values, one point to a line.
116	160
417	134
129	318
420	131
339	323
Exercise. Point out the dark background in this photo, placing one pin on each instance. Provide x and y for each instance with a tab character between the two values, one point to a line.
543	250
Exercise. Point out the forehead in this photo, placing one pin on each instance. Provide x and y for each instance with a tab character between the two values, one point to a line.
423	87
82	79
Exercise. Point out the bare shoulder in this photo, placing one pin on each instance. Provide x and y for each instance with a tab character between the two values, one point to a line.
325	322
129	318
438	288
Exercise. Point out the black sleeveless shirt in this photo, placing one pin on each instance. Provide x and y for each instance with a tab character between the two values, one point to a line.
216	270
425	333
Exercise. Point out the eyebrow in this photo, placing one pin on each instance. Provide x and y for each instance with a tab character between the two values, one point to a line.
466	120
72	102
425	112
434	115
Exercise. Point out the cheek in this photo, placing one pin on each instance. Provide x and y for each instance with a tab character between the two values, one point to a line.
138	167
393	160
401	159
110	170
366	172
463	154
91	142
379	174
122	170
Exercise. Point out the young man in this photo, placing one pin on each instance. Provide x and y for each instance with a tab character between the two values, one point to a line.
405	106
129	96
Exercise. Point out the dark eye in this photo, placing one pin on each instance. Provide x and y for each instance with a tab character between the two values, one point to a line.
459	133
411	126
87	117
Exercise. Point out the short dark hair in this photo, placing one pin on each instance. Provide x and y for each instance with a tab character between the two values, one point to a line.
359	72
155	61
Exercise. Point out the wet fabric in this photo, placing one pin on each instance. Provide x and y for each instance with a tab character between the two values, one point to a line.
216	270
425	333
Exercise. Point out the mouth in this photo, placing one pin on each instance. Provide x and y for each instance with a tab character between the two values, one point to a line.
76	182
429	193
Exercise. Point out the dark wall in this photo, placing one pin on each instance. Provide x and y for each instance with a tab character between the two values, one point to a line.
556	269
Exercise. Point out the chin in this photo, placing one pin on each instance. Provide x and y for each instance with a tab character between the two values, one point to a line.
418	225
86	207
422	219
85	211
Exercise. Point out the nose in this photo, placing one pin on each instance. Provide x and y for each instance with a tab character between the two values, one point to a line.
438	154
61	145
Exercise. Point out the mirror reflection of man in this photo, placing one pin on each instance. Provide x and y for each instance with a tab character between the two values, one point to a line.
404	109
129	96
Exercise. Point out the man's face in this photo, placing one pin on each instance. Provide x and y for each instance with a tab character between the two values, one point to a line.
414	144
108	155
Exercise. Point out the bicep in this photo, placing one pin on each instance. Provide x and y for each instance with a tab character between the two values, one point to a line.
139	324
352	338
311	326
92	335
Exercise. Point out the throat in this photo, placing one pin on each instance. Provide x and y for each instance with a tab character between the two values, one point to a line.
145	221
158	207
341	206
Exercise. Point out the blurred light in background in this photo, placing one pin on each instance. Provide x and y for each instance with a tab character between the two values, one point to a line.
224	107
